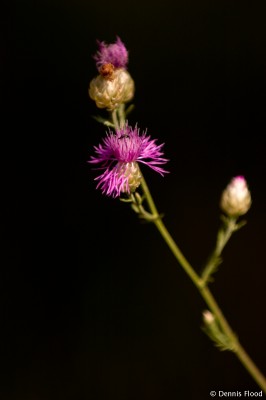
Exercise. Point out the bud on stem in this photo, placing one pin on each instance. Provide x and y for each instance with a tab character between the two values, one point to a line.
236	198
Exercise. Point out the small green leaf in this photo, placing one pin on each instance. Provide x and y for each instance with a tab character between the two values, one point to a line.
129	109
103	121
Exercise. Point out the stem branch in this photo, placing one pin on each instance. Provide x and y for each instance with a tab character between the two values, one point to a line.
199	282
205	292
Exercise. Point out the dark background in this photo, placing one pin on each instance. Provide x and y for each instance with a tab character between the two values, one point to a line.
93	305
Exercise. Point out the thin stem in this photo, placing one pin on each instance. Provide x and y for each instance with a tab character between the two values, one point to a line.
121	113
177	253
166	235
205	293
115	119
148	196
227	233
224	234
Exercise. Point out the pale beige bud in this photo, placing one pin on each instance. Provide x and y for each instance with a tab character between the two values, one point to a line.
208	317
236	198
112	91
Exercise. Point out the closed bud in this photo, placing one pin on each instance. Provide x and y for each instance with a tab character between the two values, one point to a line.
215	332
208	317
236	198
111	91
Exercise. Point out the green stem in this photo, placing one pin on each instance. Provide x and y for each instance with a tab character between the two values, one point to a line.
115	119
148	196
121	113
227	233
205	292
223	236
177	253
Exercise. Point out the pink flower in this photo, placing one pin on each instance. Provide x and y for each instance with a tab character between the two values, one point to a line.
119	156
115	53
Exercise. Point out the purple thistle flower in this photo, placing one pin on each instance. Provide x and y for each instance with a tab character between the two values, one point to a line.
115	53
119	155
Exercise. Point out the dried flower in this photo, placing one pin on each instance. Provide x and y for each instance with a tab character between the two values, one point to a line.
107	71
236	198
120	154
115	53
111	91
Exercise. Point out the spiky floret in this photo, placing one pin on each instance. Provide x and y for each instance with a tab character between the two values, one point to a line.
119	156
114	53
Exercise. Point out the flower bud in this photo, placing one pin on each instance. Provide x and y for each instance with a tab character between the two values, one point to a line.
111	91
216	333
208	317
236	198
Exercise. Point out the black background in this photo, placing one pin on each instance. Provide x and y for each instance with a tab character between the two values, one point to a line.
93	304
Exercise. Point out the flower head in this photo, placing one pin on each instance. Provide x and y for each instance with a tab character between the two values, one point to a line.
119	156
115	53
110	92
236	198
